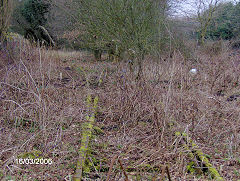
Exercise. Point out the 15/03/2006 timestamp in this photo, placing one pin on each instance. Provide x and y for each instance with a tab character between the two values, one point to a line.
37	161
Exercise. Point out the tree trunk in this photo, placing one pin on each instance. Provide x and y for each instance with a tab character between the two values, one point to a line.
98	55
140	71
5	12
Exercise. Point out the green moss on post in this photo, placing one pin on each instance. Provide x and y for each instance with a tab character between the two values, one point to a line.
211	170
195	152
87	131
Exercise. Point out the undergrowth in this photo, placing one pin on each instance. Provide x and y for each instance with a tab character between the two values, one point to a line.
42	108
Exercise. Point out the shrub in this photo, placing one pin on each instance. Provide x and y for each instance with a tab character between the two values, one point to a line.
226	22
31	18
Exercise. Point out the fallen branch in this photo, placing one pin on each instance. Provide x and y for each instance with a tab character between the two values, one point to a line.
111	167
124	172
48	35
165	170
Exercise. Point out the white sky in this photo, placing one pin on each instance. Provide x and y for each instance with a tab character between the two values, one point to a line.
189	7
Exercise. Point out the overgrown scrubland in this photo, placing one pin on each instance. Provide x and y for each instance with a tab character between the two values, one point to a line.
157	121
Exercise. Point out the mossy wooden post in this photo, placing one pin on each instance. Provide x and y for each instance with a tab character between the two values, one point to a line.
87	129
194	152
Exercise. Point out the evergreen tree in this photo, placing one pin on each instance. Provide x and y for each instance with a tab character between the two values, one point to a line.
226	22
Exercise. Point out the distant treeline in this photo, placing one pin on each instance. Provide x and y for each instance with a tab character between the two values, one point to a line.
226	22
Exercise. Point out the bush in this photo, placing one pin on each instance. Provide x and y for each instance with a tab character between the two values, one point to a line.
30	20
34	12
226	22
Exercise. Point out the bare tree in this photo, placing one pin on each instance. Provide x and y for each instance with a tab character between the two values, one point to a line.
205	10
201	11
120	25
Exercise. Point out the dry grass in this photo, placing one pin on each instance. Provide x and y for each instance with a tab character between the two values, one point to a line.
42	104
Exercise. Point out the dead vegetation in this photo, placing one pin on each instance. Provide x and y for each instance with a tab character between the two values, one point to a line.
145	125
